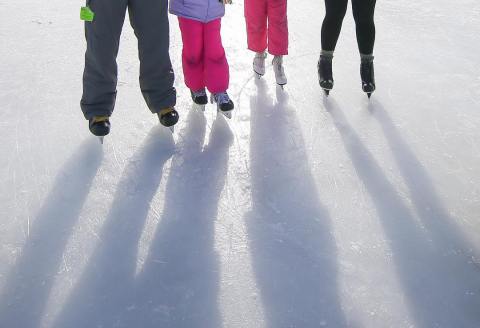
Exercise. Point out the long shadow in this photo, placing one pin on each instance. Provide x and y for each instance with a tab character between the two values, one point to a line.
429	207
178	286
436	289
29	284
291	239
105	288
446	237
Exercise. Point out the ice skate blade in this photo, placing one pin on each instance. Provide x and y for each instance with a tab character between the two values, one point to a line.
327	92
369	94
282	86
227	114
101	140
172	128
199	107
258	75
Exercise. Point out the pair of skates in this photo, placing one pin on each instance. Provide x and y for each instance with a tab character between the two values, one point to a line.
277	64
100	125
224	103
325	75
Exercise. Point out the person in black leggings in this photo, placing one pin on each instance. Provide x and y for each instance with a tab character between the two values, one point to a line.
363	12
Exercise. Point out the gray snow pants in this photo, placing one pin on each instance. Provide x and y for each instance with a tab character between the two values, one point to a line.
149	19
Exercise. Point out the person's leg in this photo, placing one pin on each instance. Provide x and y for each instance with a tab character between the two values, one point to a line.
192	54
216	65
363	12
256	20
332	24
277	27
149	19
100	73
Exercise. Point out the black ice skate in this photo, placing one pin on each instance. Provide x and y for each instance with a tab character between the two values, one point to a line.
224	103
367	75
99	126
325	74
168	117
199	97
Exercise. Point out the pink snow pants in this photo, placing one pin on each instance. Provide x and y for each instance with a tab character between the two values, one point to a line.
203	57
259	36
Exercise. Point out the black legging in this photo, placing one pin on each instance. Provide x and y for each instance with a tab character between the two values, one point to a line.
363	11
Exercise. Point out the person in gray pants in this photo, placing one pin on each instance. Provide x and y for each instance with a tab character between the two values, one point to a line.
149	19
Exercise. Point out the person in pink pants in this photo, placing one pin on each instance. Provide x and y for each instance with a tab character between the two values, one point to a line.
267	28
204	62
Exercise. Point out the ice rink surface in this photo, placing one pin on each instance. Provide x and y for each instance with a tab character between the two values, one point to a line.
300	211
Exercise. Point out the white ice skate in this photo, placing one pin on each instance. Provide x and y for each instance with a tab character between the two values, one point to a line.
259	63
279	71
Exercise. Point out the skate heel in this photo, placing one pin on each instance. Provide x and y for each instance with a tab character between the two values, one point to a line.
99	126
325	74
279	71
168	117
367	74
259	64
200	98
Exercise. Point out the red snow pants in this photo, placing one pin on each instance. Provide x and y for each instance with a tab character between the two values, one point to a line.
203	57
267	26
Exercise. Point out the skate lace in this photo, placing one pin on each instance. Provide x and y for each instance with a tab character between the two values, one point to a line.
261	55
325	71
222	98
366	72
278	66
199	93
259	60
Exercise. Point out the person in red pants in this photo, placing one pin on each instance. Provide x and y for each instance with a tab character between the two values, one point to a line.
203	57
267	28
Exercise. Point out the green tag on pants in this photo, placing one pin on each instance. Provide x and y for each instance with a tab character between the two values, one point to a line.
86	14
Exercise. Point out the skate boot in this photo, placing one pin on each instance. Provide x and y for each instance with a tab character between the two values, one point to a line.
259	63
367	74
279	71
224	103
99	126
325	74
168	117
199	97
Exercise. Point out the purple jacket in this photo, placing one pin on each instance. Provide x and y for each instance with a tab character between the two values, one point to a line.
200	10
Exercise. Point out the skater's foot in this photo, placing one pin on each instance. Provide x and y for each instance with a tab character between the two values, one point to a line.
168	116
367	74
325	74
279	71
199	97
259	63
224	103
99	125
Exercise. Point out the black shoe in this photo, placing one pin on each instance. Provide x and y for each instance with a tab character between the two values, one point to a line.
199	97
368	76
99	125
325	74
168	116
